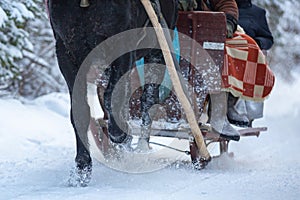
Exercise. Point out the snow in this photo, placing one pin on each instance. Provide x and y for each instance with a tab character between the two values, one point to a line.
3	17
38	148
20	12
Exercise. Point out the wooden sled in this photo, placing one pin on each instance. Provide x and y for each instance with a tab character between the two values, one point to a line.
100	135
209	30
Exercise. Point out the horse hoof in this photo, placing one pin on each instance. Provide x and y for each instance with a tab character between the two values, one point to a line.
125	145
116	134
80	176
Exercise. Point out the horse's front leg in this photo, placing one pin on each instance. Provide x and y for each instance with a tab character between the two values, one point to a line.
116	98
80	117
80	121
154	71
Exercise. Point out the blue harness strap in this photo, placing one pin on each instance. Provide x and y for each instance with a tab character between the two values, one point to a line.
166	84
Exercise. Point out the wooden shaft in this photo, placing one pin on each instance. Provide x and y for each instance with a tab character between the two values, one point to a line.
196	132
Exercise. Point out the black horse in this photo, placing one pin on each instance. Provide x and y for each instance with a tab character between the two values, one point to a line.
78	30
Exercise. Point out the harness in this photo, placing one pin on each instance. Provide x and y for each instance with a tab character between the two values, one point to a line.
84	3
190	5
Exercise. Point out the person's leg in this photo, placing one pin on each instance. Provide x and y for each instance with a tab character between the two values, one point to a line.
237	113
218	116
115	97
254	110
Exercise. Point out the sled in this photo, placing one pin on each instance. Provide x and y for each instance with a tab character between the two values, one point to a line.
200	32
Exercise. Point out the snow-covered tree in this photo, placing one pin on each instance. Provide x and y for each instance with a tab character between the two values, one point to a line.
27	55
40	74
14	40
287	50
283	17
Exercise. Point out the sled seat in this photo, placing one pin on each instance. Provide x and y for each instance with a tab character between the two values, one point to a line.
202	45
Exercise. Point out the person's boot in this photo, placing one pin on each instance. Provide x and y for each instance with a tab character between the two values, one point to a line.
254	110
218	117
237	113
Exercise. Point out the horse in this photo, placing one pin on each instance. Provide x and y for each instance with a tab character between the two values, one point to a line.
77	31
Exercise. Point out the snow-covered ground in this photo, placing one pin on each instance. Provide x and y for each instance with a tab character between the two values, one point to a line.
37	150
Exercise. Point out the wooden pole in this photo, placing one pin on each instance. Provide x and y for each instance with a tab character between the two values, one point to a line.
196	132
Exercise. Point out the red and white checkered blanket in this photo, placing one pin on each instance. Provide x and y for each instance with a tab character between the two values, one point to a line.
245	72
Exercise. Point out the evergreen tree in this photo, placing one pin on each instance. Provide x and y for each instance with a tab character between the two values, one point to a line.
27	52
283	17
14	40
286	54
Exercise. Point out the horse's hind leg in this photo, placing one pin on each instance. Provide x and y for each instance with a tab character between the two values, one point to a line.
118	112
154	73
80	122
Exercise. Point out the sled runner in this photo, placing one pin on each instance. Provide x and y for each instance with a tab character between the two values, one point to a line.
202	38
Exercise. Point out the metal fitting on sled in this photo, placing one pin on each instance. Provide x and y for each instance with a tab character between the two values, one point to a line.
84	3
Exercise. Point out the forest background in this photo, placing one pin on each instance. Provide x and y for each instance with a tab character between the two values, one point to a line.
28	67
